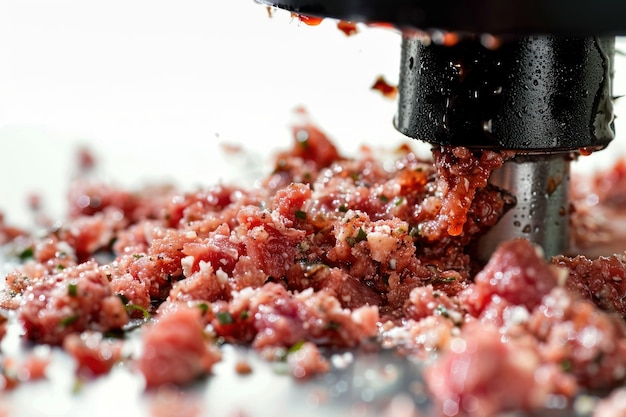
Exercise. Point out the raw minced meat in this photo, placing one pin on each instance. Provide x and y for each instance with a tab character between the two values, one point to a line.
76	299
329	252
175	349
95	355
3	326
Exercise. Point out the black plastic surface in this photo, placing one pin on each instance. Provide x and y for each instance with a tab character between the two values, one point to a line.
574	17
541	93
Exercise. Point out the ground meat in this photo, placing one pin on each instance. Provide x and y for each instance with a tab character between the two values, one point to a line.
94	355
307	361
461	173
528	329
273	317
586	342
481	375
3	326
329	252
8	233
175	349
30	368
602	280
76	299
517	273
598	219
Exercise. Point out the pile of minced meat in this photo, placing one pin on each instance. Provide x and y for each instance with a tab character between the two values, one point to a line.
332	252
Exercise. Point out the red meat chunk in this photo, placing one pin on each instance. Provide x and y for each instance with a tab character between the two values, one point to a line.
517	273
175	349
77	299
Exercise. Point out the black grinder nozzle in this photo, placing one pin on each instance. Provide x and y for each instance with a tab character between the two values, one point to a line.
530	94
542	90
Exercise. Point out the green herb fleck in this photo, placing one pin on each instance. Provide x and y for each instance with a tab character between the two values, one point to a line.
383	198
296	346
137	255
332	325
68	321
60	267
244	314
26	254
397	201
301	214
204	307
566	365
72	289
442	310
445	280
130	307
360	236
78	386
224	318
343	208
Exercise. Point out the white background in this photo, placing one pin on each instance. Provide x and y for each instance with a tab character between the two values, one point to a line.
155	87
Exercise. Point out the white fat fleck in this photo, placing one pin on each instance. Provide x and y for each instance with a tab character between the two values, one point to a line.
382	229
191	235
342	360
392	264
259	233
222	276
562	275
247	292
592	199
589	336
585	404
187	264
65	247
397	336
515	315
306	293
458	345
455	316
